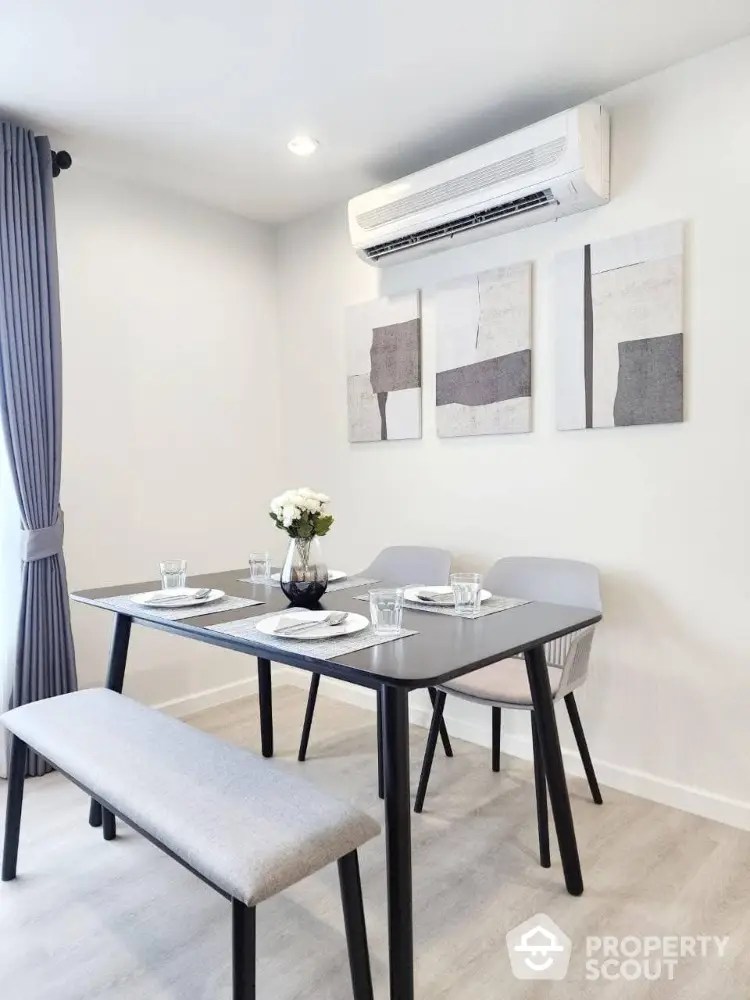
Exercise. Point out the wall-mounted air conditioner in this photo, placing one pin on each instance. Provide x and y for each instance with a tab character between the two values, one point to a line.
557	167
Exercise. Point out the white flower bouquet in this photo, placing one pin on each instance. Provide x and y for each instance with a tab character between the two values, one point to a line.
302	513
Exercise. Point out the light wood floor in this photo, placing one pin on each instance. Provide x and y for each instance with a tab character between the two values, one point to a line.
121	921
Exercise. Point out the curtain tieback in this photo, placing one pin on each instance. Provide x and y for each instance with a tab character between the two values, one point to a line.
41	543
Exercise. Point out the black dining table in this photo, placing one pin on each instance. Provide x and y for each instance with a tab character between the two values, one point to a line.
444	647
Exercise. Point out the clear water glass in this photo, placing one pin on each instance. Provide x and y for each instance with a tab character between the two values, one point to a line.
173	573
260	567
466	590
387	609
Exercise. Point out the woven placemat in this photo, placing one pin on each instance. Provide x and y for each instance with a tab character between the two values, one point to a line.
346	584
323	649
489	607
125	606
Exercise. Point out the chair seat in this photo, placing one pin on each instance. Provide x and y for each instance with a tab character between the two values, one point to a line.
250	826
505	683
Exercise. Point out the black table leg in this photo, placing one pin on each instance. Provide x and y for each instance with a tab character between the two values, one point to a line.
379	716
118	657
549	741
266	707
395	708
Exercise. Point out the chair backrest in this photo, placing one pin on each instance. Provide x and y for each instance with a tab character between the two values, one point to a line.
555	581
405	564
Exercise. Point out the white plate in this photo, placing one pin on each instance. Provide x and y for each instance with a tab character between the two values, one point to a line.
183	598
354	623
333	576
410	594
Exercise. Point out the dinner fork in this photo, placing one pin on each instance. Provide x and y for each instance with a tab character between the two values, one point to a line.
334	618
199	595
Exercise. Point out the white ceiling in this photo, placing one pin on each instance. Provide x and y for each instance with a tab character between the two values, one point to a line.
201	96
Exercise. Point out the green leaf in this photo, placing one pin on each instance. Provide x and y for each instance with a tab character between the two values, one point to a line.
323	524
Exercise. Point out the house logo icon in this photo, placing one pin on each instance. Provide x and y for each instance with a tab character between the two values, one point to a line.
538	949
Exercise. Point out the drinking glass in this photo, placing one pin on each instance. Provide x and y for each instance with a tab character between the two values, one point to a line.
260	567
387	609
173	573
466	590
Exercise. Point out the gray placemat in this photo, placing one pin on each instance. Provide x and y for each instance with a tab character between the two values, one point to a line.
124	605
489	607
347	584
323	649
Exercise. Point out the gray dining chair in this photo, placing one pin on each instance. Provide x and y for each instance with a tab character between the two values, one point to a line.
505	684
399	565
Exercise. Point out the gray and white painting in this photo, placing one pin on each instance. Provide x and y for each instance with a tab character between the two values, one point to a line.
384	369
483	382
620	325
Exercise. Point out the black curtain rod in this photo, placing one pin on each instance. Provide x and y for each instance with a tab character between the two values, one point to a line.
60	161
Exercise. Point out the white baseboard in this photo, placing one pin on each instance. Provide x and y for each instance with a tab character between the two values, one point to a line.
733	812
699	801
210	698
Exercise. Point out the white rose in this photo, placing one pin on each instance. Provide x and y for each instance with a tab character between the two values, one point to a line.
290	515
322	498
305	491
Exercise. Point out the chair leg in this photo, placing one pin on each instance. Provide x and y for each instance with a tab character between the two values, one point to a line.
583	749
309	712
16	775
381	781
497	717
540	782
109	824
444	737
243	951
356	930
429	754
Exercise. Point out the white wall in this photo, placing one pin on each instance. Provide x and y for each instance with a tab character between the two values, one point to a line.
663	511
170	399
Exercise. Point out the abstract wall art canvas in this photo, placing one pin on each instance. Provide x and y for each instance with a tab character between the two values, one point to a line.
483	328
384	369
620	326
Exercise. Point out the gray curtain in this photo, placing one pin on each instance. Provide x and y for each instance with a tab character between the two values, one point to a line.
31	413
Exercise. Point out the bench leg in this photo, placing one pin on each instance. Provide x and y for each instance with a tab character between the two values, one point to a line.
109	824
356	931
16	773
243	951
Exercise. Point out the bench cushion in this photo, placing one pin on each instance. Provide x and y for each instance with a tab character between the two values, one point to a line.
250	826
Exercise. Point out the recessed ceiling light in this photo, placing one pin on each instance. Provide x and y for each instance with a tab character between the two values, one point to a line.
302	145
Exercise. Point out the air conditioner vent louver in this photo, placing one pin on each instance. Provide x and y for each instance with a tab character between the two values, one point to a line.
529	203
536	158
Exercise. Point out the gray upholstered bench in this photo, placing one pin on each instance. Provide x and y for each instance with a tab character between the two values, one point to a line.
246	826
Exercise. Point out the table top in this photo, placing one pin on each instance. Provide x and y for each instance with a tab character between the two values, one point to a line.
445	647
